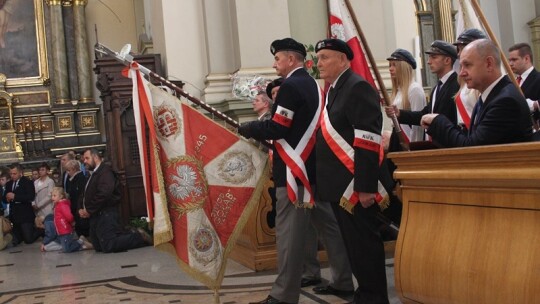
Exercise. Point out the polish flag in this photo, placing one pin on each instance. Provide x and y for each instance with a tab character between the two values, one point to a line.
342	27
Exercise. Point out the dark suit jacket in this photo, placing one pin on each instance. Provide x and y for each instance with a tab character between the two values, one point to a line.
352	104
504	118
531	86
299	94
102	191
21	210
445	104
75	188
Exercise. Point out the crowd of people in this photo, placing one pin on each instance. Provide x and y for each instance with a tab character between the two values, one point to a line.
77	211
327	177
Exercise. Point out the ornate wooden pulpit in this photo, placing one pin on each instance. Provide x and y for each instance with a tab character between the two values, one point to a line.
470	230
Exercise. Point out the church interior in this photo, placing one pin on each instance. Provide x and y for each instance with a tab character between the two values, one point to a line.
58	94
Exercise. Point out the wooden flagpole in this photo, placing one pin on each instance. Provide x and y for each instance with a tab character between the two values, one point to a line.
487	27
397	127
128	60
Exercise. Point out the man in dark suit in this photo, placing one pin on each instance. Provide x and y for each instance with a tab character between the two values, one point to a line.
442	56
500	116
521	61
99	203
348	147
20	193
296	112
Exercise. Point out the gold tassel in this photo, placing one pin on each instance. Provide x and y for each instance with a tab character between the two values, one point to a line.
345	204
385	202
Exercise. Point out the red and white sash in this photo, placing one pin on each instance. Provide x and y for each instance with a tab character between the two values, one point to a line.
463	115
345	153
295	158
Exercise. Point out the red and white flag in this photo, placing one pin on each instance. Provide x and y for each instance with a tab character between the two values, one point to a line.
205	180
342	27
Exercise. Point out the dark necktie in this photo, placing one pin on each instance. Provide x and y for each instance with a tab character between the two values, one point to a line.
437	92
476	112
519	79
331	94
14	185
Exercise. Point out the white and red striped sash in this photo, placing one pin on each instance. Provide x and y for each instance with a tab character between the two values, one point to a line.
345	153
462	112
295	158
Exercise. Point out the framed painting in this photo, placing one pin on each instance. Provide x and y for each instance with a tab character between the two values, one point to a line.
23	49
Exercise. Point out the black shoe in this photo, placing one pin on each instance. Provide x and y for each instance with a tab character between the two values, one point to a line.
329	290
269	300
309	282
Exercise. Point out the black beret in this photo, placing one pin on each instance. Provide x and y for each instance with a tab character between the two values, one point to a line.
275	83
403	55
287	44
470	35
336	45
439	47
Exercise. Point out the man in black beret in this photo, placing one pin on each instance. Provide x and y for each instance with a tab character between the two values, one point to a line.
441	58
468	36
273	87
348	146
295	115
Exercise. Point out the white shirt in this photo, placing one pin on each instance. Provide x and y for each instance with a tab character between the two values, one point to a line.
443	80
417	100
488	90
524	76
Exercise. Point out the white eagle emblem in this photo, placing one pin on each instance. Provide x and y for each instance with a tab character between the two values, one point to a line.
185	183
338	31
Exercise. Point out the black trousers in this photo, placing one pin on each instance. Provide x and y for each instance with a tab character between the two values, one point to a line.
24	232
106	234
365	250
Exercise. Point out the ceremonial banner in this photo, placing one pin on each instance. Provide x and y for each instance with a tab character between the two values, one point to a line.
342	27
205	180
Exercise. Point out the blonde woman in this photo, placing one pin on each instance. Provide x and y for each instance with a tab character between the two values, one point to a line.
401	66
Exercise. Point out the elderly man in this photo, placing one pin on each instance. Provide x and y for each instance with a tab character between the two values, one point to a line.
501	114
348	147
293	125
262	105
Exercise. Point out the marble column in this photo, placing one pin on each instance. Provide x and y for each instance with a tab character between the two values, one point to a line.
81	49
534	26
447	26
238	34
58	52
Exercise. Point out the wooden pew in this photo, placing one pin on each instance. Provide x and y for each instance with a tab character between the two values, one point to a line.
470	231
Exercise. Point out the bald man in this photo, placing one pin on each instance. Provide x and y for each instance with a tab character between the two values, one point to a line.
501	114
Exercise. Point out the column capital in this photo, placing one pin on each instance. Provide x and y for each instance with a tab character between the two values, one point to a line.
53	2
80	2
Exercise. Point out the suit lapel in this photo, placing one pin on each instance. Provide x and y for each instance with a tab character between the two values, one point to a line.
494	93
442	92
529	81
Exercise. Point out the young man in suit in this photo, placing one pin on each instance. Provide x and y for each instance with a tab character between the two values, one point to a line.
500	116
442	56
348	147
521	61
296	112
20	193
99	203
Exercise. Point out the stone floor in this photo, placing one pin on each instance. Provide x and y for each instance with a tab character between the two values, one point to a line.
144	275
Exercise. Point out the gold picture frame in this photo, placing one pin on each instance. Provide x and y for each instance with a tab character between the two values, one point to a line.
23	48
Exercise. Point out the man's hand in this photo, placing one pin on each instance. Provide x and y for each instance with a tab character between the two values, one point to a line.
427	119
83	213
366	199
10	196
245	129
391	110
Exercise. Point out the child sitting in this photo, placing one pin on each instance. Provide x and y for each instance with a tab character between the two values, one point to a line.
63	221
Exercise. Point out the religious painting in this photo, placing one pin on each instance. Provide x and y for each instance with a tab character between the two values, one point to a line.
23	54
